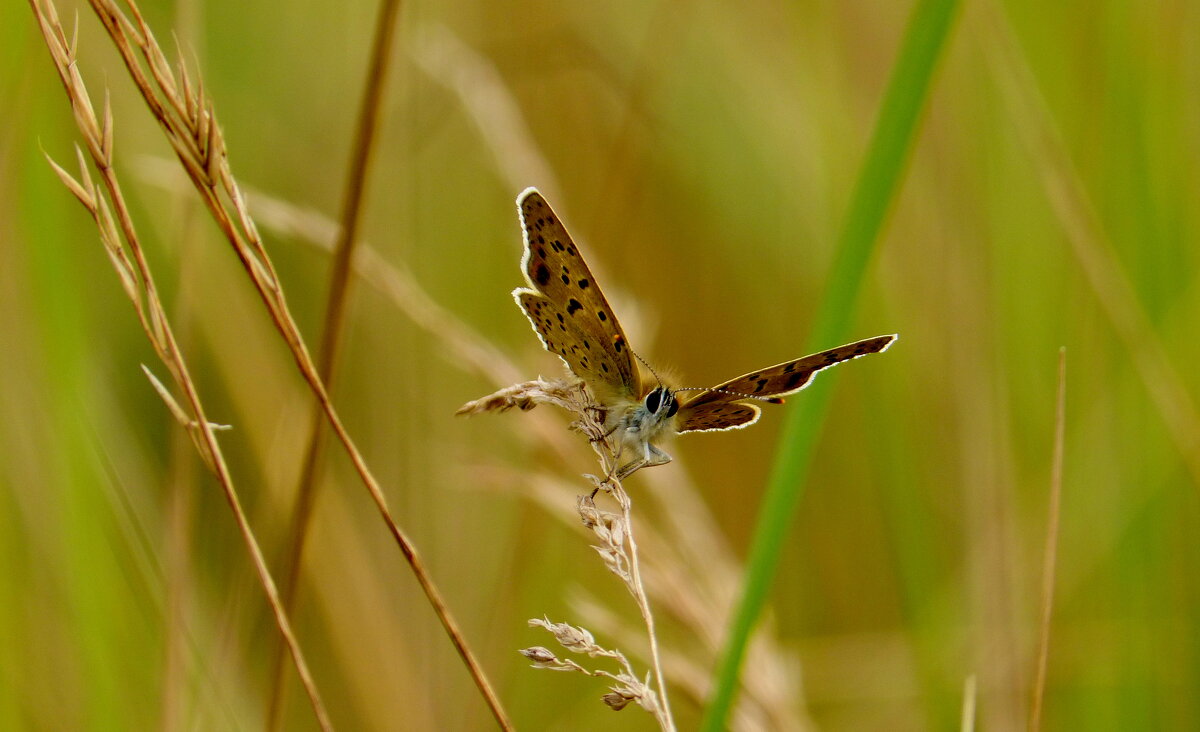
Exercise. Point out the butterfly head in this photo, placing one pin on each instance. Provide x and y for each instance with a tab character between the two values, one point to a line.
650	418
660	403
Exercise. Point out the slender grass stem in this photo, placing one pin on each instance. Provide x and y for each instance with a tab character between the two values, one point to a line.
1050	557
331	337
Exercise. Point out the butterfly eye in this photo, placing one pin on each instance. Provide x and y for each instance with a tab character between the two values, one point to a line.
654	401
662	399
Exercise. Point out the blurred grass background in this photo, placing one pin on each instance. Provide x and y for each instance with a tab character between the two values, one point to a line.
693	149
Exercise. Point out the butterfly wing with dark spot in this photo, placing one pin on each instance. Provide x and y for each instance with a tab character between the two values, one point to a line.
566	306
784	378
561	335
716	416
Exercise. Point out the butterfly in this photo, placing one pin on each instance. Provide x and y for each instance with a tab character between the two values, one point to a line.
574	321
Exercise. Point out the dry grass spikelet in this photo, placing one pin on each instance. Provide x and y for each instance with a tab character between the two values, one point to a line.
628	687
526	396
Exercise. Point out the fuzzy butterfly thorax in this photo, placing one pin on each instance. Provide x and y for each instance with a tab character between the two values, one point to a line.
574	321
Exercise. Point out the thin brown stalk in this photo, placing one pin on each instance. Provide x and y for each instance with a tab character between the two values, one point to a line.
1050	558
188	119
643	602
609	463
331	336
124	248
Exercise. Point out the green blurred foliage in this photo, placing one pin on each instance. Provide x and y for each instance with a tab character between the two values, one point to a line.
694	149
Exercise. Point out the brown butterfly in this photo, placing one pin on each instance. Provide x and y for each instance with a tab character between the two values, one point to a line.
574	321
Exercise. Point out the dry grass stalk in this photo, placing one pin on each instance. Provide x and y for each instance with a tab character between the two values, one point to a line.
617	547
331	335
692	574
188	120
110	213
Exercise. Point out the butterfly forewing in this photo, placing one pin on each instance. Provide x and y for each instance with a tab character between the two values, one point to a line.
566	306
561	335
784	378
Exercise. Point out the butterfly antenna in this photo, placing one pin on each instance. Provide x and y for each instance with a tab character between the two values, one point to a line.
648	366
738	394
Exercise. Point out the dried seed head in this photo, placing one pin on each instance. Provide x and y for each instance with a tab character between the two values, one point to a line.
538	654
588	518
610	557
576	640
525	396
587	510
619	697
616	531
609	527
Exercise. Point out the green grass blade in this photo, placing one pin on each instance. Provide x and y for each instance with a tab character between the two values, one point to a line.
876	187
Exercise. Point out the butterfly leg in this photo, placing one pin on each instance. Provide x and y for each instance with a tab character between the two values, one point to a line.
651	456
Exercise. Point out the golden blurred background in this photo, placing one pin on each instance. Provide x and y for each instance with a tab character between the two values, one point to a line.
704	155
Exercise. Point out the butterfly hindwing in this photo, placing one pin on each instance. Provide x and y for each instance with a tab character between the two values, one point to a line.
566	306
716	416
778	380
